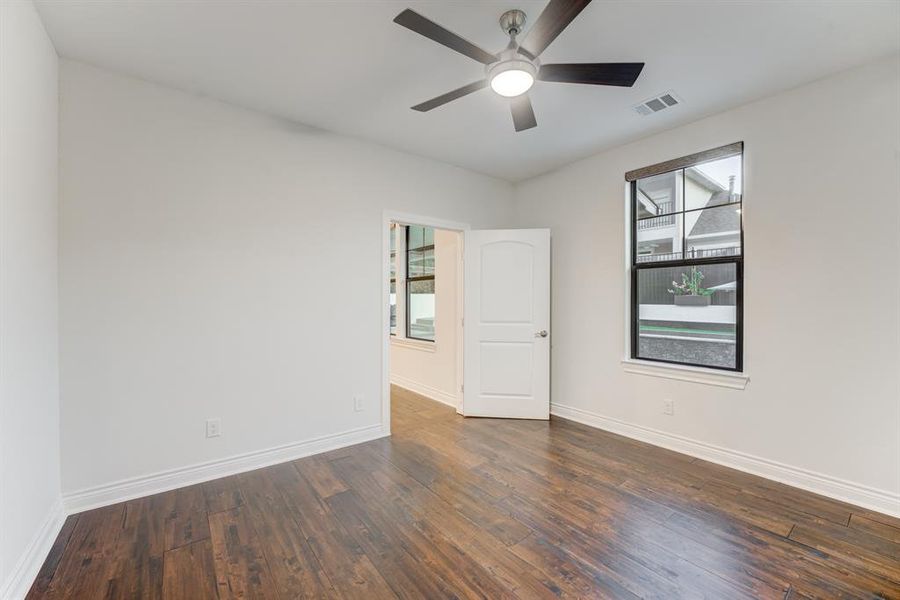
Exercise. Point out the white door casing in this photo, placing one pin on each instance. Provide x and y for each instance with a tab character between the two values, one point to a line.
507	323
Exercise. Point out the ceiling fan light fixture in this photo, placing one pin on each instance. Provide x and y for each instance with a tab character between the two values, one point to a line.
513	71
511	78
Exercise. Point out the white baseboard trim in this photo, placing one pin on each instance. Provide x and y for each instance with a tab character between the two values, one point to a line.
23	574
163	481
424	390
847	491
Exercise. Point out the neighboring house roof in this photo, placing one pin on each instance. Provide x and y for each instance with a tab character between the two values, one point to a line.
717	221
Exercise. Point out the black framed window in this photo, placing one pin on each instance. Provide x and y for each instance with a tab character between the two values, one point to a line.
687	260
420	295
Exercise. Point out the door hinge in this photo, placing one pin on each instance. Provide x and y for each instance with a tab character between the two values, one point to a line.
462	387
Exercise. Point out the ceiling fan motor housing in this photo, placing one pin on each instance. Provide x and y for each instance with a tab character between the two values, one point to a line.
512	22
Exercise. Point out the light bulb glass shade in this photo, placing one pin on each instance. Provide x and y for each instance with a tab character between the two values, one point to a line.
511	77
511	83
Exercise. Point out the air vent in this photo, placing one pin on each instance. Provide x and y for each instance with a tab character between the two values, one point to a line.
657	103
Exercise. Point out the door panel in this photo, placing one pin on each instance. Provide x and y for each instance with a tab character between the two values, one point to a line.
507	306
506	369
506	285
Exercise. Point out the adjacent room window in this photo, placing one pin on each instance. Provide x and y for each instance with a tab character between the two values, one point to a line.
420	283
687	260
393	296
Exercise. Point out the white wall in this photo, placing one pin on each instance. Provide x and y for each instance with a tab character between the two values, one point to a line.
219	263
29	384
822	208
430	368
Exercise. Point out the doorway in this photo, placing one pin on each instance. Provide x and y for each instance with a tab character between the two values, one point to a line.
437	275
423	298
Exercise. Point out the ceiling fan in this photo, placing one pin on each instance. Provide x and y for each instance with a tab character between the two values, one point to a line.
512	72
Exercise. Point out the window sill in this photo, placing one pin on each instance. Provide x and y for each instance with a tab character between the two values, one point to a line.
728	379
419	345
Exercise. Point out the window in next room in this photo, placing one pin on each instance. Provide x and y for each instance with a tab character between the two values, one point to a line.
420	283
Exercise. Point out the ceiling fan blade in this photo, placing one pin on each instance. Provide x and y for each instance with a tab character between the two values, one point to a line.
416	22
445	98
550	23
621	74
522	113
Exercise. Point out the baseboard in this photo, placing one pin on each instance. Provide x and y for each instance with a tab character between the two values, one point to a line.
163	481
424	390
23	574
839	489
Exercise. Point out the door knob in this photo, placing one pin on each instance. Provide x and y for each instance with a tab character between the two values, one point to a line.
541	333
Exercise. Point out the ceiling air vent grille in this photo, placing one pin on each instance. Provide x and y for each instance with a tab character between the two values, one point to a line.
657	103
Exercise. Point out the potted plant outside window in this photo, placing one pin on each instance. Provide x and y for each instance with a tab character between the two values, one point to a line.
689	292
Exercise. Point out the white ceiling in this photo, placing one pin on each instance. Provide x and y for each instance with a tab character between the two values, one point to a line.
345	66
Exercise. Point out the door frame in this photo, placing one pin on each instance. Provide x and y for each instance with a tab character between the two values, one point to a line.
392	216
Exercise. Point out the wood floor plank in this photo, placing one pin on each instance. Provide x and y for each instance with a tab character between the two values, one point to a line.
222	494
349	569
137	565
387	543
872	554
189	572
570	578
319	474
645	569
148	516
295	568
876	516
440	552
84	568
808	570
876	528
449	507
464	488
774	491
434	518
241	569
186	522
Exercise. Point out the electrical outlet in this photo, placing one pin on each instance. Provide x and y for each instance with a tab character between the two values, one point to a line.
213	428
668	407
357	403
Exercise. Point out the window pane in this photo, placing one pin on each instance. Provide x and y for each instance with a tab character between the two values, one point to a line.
420	236
659	195
393	302
421	309
688	314
713	232
421	262
712	184
659	239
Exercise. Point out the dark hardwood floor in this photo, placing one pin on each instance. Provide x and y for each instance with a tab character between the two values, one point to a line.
462	508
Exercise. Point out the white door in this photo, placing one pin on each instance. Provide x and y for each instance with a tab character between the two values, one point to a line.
507	324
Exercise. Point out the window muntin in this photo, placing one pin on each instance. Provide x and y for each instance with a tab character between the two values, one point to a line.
687	263
420	296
